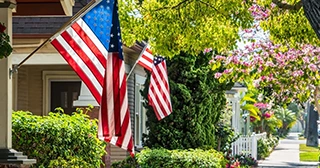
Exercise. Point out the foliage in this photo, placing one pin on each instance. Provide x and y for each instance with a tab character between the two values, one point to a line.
129	162
197	101
5	47
265	146
170	26
242	159
225	136
58	140
192	158
279	20
287	119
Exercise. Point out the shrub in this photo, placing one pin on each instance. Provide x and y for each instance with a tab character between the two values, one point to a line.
197	102
58	140
129	162
265	146
192	158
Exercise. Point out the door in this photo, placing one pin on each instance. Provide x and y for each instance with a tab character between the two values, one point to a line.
63	94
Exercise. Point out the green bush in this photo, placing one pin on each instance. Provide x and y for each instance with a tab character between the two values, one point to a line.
129	162
198	100
266	146
58	140
193	158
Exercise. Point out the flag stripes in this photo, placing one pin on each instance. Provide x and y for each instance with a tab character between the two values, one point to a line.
159	92
146	59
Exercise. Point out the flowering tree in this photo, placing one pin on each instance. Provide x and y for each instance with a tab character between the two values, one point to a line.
282	73
5	47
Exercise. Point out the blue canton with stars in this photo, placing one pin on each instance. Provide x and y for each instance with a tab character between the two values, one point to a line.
103	20
158	60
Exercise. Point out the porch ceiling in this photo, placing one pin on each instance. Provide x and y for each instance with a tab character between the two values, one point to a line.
44	7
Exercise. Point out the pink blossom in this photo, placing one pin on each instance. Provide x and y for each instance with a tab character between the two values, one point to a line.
207	50
261	105
312	67
226	71
217	75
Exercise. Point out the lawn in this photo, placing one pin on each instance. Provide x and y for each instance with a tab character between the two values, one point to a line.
309	154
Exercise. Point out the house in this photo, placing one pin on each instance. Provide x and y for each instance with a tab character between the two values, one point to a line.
46	81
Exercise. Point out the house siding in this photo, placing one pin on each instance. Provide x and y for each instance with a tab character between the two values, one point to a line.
30	86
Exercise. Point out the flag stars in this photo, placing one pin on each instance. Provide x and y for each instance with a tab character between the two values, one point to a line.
95	25
112	46
101	6
111	35
95	12
95	18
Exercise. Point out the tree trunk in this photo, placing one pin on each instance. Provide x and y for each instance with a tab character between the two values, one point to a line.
312	127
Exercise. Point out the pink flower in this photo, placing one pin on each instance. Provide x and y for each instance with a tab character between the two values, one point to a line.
313	67
217	75
207	50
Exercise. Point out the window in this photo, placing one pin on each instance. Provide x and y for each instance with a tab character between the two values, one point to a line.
140	112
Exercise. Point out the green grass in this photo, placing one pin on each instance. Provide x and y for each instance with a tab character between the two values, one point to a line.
309	154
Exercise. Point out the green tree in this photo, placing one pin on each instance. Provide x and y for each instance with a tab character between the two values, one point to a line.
172	26
197	100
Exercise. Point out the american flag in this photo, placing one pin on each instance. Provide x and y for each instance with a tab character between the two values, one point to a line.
146	59
92	46
159	92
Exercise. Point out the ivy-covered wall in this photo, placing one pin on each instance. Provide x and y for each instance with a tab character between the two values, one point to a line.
197	100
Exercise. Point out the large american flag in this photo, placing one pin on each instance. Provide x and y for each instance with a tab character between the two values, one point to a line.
92	46
159	91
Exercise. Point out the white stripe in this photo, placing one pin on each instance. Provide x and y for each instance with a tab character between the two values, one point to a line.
146	62
160	97
121	73
80	63
147	54
86	50
160	81
110	99
100	132
93	37
156	105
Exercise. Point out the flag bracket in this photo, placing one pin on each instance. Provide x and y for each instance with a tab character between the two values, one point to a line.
13	70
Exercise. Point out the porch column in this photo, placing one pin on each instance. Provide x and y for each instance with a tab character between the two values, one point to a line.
8	156
5	84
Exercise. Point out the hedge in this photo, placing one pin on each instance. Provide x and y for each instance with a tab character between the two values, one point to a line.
192	158
58	140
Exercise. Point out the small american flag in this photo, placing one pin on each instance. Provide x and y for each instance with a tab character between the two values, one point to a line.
92	46
146	59
159	91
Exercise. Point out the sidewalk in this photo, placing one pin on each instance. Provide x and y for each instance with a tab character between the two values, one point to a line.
286	155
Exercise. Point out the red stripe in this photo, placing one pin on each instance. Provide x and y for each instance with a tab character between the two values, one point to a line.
151	103
89	42
124	128
83	56
145	66
147	58
104	112
74	65
116	93
157	99
148	50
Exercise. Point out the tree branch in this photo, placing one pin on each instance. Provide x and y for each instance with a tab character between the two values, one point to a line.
283	5
173	7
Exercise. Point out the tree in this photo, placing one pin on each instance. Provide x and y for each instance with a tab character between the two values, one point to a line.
197	101
189	26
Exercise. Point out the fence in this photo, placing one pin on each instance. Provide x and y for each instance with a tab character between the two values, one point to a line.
247	144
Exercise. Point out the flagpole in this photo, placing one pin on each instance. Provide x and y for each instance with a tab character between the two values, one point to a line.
135	64
74	17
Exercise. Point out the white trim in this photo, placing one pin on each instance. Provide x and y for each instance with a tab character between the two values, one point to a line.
47	78
39	59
